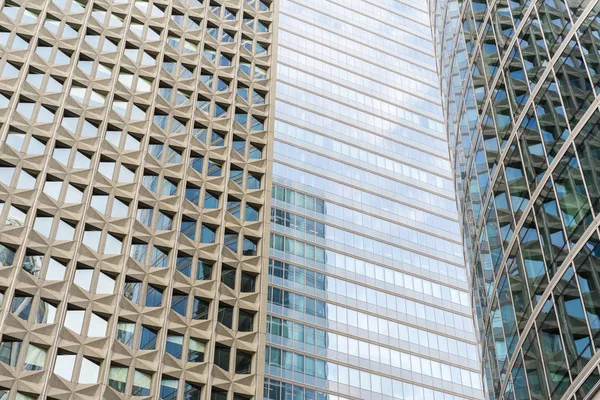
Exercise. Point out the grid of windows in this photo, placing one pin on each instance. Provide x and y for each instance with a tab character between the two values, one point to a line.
368	294
126	129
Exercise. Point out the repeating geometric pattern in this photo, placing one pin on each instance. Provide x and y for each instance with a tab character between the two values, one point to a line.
133	188
520	86
368	294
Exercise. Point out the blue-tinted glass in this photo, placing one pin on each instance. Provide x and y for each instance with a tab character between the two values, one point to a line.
204	270
192	194
153	297
188	228
251	213
208	234
211	201
174	345
253	182
179	304
168	389
21	306
184	265
250	247
148	339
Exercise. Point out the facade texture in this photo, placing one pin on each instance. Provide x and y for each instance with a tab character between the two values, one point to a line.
368	294
520	85
133	197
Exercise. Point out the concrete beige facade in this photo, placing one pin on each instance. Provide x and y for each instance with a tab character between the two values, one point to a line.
134	195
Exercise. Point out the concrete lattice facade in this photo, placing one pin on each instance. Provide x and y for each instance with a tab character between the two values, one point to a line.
134	189
520	87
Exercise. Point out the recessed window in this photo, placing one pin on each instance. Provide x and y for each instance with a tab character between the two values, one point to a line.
233	207
204	271
91	239
243	362
154	297
9	351
184	265
132	291
148	339
168	388
236	175
55	271
113	245
196	350
83	278
74	320
7	255
21	306
191	391
214	169
251	214
192	194
217	394
255	152
117	378
138	252
225	316
179	303
222	354
125	332
196	163
253	181
159	258
106	284
211	200
35	358
245	321
164	222
32	263
89	371
64	365
248	284
141	384
201	308
46	313
174	345
217	139
231	241
228	276
43	225
168	188
208	234
250	247
188	228
98	326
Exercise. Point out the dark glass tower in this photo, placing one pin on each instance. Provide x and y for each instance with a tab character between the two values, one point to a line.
520	81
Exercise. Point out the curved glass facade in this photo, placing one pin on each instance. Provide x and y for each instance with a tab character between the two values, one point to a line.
520	83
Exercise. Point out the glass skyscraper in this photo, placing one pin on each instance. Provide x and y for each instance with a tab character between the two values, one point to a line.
520	84
368	294
228	200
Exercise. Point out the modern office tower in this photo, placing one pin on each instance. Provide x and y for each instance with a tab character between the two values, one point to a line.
520	82
133	182
368	294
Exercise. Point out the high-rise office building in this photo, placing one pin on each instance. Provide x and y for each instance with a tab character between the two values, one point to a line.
520	82
132	195
368	294
177	223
